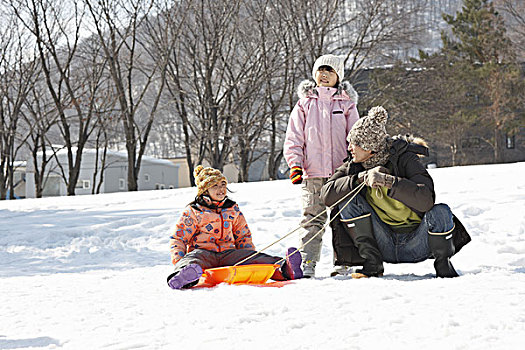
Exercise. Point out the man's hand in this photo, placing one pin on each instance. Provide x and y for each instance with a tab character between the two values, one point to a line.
377	177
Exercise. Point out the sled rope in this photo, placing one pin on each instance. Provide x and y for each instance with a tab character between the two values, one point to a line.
355	191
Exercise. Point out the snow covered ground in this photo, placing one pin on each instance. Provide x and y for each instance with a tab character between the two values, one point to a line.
88	272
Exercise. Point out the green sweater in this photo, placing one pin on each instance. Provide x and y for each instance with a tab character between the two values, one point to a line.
392	212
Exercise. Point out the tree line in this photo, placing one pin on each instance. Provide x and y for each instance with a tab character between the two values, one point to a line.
213	80
475	84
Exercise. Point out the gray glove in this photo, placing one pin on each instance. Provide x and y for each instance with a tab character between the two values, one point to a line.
377	177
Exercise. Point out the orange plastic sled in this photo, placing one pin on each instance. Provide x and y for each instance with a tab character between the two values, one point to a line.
256	274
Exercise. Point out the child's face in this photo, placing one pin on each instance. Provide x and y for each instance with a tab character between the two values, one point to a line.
218	191
326	76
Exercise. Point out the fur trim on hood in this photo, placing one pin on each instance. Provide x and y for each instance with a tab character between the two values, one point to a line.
413	139
417	145
418	141
307	87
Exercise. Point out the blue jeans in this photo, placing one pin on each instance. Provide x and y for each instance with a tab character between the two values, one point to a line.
402	247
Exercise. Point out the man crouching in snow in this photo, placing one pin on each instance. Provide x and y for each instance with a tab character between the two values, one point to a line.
393	218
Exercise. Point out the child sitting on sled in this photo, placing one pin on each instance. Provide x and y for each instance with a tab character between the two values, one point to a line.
212	232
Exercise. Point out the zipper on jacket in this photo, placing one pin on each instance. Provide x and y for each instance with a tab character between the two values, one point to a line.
330	171
222	228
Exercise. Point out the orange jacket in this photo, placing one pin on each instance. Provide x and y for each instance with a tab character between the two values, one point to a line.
214	229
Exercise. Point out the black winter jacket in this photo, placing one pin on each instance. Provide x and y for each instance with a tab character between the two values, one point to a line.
413	187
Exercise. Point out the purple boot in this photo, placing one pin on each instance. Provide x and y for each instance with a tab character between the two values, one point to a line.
186	275
292	268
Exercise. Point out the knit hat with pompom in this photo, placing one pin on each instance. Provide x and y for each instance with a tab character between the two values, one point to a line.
206	178
369	132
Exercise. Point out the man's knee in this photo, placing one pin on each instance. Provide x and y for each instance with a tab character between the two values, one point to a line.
440	218
441	210
354	208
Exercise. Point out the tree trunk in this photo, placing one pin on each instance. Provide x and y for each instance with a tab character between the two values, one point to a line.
497	145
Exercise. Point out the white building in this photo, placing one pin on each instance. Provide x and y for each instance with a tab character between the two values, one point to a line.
154	174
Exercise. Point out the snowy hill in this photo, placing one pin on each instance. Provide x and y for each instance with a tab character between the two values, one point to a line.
89	272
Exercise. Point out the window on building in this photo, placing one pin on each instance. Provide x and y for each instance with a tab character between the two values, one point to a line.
146	177
471	142
121	184
83	184
510	141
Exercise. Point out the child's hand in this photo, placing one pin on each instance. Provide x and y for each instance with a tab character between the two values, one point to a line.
296	175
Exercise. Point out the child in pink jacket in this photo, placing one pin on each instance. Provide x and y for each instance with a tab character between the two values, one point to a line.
212	232
316	144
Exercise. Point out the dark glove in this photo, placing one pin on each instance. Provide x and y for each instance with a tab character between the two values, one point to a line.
378	177
296	175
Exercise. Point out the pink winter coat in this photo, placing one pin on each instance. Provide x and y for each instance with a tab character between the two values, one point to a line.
212	229
318	127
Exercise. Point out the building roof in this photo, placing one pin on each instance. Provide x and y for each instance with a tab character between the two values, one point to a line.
123	155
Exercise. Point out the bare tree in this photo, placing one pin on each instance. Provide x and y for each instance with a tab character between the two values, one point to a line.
175	125
294	34
181	103
209	44
232	74
39	116
17	76
137	71
264	86
106	130
311	27
199	81
375	32
514	12
366	32
278	76
57	31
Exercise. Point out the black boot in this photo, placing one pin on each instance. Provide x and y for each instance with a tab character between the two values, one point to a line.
362	232
442	247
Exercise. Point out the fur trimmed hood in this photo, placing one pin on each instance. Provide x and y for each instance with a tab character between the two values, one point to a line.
402	143
307	88
414	139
